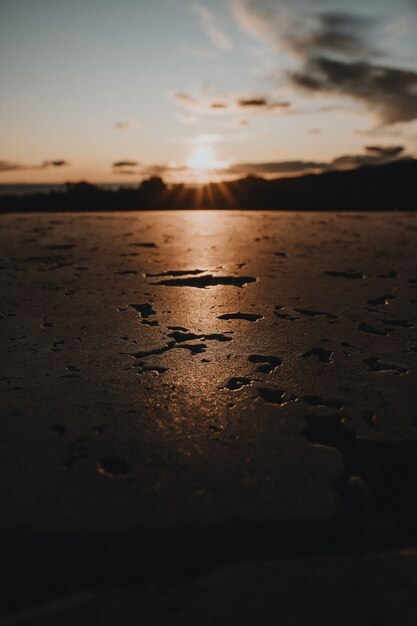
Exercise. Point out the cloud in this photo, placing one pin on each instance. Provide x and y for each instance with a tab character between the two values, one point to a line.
399	28
375	155
185	100
333	53
259	103
117	164
252	102
126	125
57	163
385	151
10	166
390	92
162	170
279	167
332	32
260	19
301	28
380	156
372	155
207	104
213	26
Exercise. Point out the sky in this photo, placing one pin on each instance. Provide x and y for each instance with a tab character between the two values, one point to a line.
193	91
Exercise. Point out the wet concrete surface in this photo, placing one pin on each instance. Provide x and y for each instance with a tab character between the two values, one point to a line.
187	394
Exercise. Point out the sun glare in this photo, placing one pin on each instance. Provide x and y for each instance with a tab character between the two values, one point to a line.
203	159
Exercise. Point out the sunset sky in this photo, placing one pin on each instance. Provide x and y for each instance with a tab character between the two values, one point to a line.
189	90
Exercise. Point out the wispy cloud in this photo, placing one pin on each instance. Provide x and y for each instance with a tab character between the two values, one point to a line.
213	25
117	164
163	170
12	166
56	163
232	104
399	28
301	28
260	19
126	125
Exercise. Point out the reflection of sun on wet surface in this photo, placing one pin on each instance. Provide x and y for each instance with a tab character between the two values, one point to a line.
197	286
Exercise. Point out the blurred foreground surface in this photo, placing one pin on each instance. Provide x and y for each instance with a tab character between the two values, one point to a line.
209	417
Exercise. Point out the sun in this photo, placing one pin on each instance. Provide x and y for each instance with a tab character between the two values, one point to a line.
203	161
202	158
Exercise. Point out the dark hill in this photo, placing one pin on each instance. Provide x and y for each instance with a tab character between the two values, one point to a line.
372	188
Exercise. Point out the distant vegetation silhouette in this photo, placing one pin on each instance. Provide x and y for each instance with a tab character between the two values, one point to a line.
372	188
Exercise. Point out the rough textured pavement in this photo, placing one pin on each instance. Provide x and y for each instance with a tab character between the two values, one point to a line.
207	414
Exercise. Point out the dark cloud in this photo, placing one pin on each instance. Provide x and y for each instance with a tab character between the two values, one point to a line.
335	53
117	164
385	151
279	167
259	103
338	59
389	91
252	102
303	29
57	163
226	105
375	155
332	32
10	166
